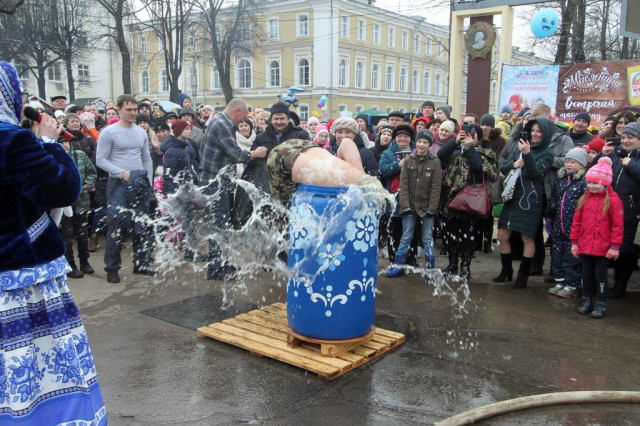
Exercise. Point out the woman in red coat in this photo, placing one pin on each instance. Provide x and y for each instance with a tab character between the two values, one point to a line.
596	235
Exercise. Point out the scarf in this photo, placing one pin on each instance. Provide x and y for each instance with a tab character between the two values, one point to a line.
10	94
245	143
458	172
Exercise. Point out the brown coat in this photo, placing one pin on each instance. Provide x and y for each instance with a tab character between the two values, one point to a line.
420	183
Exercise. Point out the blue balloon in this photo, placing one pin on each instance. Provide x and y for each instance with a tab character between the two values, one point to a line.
323	99
544	23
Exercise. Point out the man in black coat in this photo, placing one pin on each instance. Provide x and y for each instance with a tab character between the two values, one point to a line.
347	127
580	134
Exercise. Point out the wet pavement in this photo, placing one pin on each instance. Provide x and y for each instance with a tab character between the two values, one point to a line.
154	370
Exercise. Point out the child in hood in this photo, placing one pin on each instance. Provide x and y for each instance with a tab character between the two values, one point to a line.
596	235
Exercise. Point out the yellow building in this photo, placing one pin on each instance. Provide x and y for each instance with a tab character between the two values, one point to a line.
359	56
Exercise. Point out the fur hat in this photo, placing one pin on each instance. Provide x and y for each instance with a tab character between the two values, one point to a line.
425	134
448	125
488	120
584	116
178	126
403	128
142	117
396	114
601	173
345	123
279	108
579	154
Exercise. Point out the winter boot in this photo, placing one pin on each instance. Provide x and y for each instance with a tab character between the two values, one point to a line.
75	273
93	243
506	273
600	309
85	267
523	272
618	291
398	270
465	265
585	306
452	269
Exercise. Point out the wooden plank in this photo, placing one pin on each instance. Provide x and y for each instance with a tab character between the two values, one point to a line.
373	345
255	328
388	333
275	353
280	305
314	356
360	350
275	311
255	319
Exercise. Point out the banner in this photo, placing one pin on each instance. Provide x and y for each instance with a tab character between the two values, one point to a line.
599	88
527	86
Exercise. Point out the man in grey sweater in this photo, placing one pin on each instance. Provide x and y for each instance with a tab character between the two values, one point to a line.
123	148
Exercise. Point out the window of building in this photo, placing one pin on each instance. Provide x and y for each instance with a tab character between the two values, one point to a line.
494	60
218	33
392	36
303	112
403	79
375	76
494	92
389	78
377	33
375	107
389	109
215	78
244	31
304	72
144	82
303	25
362	30
191	39
193	79
359	108
415	81
360	75
342	73
402	109
446	84
54	72
274	73
416	43
438	83
428	46
164	80
243	70
344	26
426	82
405	40
83	74
274	29
440	49
342	108
142	44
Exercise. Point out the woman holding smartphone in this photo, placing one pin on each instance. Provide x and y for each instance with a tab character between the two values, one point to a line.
522	213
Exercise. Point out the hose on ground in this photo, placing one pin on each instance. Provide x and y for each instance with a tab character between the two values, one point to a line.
534	401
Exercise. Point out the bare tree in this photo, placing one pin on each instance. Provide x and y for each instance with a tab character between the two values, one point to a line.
230	30
169	20
119	12
9	7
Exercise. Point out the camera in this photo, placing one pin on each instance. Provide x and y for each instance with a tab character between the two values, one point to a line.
613	141
524	136
466	127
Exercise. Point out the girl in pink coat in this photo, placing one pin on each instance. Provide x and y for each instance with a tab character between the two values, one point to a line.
596	235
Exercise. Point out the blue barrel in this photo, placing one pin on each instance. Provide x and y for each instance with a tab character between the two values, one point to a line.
333	253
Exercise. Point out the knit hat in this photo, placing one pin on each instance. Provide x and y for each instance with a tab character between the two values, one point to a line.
187	111
36	105
403	128
142	117
385	128
313	120
507	108
448	125
365	117
596	145
396	114
488	120
161	126
446	109
178	126
632	129
144	104
425	134
279	108
523	111
182	97
579	154
345	123
321	128
584	116
59	113
428	103
601	173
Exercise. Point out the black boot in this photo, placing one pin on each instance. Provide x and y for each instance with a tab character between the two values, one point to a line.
465	265
506	273
75	273
85	267
585	306
452	269
600	310
523	272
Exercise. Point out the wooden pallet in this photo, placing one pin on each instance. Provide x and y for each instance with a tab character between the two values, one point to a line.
264	332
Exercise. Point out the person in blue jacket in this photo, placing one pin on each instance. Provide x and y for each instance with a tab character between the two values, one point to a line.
180	158
47	373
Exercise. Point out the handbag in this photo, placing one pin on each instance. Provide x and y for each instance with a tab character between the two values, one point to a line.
472	199
510	184
495	192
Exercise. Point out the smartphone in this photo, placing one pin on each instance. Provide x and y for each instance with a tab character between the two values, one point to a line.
524	136
613	141
400	155
466	127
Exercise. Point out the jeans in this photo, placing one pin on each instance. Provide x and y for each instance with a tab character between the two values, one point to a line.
408	226
99	222
594	276
221	217
115	233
